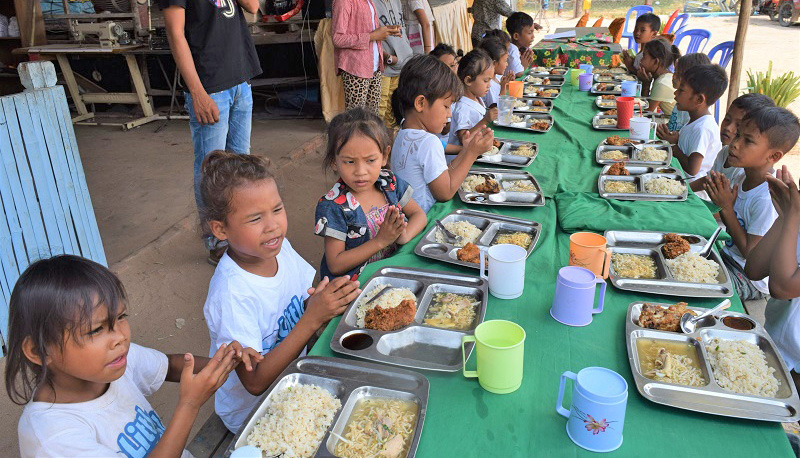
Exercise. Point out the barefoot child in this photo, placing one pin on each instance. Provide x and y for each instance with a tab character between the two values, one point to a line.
498	51
261	291
363	217
476	71
83	382
658	56
422	99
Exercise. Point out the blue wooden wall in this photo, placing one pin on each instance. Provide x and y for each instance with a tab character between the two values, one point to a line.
46	205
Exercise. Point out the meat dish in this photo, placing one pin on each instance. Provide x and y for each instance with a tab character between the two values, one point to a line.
618	168
540	124
391	319
674	246
663	319
470	253
616	140
489	186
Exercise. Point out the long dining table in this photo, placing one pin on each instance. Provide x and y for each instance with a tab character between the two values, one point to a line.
463	420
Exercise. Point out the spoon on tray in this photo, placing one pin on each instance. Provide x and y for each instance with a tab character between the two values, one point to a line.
689	322
706	250
447	234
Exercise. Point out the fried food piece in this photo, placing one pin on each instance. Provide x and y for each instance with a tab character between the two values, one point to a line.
608	97
618	168
675	248
672	237
546	81
611	112
489	186
497	143
616	140
663	319
557	71
470	253
603	87
539	103
391	319
541	124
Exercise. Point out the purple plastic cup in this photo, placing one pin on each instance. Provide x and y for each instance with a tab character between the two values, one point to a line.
585	81
573	303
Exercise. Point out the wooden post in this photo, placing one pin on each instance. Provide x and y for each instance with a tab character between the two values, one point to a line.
738	50
578	8
31	23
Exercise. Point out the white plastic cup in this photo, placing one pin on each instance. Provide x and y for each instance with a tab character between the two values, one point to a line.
506	270
640	128
505	107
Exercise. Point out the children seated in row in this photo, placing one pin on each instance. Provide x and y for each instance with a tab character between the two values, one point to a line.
423	97
658	56
363	217
680	118
498	51
83	383
261	294
762	139
520	55
475	72
646	28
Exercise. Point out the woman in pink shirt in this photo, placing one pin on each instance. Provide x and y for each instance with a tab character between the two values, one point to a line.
358	52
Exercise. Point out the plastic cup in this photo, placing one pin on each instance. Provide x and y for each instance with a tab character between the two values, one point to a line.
588	68
585	82
625	111
506	270
505	105
573	302
574	74
631	88
500	351
515	89
588	250
640	127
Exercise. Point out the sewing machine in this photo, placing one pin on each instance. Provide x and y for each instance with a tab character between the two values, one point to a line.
109	33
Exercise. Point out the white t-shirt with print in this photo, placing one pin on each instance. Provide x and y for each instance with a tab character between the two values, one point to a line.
418	158
515	59
755	213
120	423
783	325
466	114
701	136
494	92
734	174
257	311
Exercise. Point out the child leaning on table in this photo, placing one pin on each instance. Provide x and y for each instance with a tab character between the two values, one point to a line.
658	56
261	290
422	100
520	55
83	383
363	217
747	211
679	118
647	27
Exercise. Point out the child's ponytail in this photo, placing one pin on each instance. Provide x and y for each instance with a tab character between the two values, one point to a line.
661	49
676	54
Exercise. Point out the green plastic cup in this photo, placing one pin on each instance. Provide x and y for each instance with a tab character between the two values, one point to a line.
573	75
500	347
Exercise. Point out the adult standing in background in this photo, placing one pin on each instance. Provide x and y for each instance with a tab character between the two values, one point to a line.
418	17
212	48
357	37
486	14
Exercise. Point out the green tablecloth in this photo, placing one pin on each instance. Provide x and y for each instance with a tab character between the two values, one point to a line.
571	53
463	420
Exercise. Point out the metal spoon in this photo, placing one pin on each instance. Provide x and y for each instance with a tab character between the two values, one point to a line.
447	234
689	322
706	250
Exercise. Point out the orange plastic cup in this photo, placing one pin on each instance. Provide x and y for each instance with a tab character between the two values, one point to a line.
515	89
588	250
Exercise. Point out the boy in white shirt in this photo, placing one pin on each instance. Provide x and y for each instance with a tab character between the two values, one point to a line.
520	55
747	210
646	28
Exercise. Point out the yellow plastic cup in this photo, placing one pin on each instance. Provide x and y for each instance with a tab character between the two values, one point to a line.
499	348
573	75
515	88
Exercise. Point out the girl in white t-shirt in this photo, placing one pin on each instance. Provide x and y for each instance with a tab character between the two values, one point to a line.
261	293
657	57
425	91
498	51
476	71
83	382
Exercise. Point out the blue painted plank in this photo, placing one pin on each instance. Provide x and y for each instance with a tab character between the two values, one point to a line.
12	219
4	300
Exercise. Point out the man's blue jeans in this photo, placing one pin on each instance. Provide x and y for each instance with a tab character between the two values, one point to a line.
231	132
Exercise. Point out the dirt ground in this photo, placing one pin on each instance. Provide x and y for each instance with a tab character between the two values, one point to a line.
141	187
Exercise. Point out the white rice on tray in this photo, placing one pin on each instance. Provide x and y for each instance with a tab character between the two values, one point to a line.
615	155
295	421
692	267
664	186
469	232
390	299
633	265
651	154
471	181
741	366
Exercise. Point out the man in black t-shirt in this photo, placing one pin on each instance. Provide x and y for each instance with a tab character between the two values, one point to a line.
212	47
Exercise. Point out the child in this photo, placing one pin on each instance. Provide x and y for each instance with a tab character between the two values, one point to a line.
83	382
646	28
423	98
261	291
450	57
499	54
657	57
739	108
520	55
361	217
486	16
419	25
699	143
679	118
475	71
396	51
764	136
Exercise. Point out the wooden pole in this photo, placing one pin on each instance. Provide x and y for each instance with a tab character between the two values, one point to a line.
745	9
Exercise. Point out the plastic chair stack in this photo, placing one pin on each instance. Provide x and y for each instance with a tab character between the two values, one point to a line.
630	18
698	39
725	51
679	24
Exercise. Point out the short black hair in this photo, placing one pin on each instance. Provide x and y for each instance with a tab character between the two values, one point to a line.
443	49
424	75
660	48
494	48
499	34
751	102
651	19
709	80
472	64
779	125
518	21
690	60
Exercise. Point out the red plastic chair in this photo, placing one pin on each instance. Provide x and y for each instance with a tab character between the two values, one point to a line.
669	21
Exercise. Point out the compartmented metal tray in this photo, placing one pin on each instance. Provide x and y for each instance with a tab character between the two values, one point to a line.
604	104
491	225
527	120
504	197
632	154
538	71
712	398
526	105
531	91
546	81
350	382
648	243
612	88
639	181
418	345
506	157
614	77
597	120
642	169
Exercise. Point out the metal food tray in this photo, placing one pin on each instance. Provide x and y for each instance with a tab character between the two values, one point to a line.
596	120
648	243
632	154
618	78
640	180
534	95
596	91
529	108
598	101
712	398
535	73
490	224
642	169
527	120
555	80
350	382
506	158
417	345
506	198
